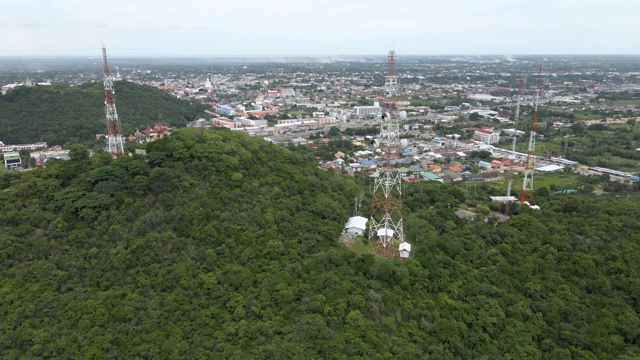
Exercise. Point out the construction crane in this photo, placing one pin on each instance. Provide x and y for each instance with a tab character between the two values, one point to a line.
526	195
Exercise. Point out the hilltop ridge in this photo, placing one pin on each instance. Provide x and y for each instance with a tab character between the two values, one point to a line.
58	114
220	245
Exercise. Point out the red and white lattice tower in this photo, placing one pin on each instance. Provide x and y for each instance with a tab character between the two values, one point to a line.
391	80
527	186
385	227
114	134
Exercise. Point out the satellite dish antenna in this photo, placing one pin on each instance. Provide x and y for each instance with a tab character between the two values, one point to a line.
402	115
404	143
386	116
375	143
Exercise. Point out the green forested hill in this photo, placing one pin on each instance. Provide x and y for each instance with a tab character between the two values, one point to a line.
222	246
58	114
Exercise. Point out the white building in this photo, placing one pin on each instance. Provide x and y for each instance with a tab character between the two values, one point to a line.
288	121
510	132
487	97
364	111
326	120
8	87
356	225
36	146
251	123
486	136
12	160
550	168
231	124
404	250
299	141
484	113
287	92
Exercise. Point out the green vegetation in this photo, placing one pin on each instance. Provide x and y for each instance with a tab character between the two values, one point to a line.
295	113
59	114
222	246
620	96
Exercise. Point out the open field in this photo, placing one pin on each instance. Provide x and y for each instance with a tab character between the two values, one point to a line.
559	180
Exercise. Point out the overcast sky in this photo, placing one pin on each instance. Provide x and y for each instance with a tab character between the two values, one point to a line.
318	27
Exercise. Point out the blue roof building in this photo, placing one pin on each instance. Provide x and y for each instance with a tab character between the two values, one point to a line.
226	110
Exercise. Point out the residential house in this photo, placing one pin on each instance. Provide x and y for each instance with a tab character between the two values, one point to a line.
415	169
491	176
426	163
454	177
474	177
427	175
412	179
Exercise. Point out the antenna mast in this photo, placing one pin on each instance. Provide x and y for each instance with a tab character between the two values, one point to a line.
513	145
114	134
391	80
386	216
527	186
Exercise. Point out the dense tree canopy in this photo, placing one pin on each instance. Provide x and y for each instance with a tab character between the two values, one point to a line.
58	113
219	245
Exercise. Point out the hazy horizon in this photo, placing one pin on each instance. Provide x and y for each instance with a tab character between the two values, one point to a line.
334	28
511	57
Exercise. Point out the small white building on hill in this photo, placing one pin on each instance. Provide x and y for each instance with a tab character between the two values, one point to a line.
404	250
356	225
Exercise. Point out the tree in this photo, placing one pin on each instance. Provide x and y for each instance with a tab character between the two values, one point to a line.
482	154
483	209
59	113
334	131
225	240
78	152
541	192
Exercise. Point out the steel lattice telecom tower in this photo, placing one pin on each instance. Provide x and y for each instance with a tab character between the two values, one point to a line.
527	186
386	216
114	134
391	80
513	145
